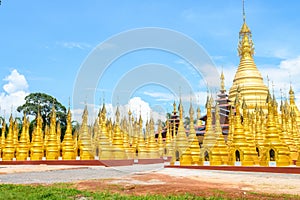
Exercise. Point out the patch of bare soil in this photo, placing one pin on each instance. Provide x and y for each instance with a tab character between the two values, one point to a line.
156	183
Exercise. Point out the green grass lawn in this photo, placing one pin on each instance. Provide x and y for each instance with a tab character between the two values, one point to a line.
63	191
66	191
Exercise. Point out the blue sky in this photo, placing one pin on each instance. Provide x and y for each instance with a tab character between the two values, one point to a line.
47	41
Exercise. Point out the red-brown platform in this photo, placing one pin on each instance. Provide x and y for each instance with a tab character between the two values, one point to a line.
286	170
106	163
150	161
112	163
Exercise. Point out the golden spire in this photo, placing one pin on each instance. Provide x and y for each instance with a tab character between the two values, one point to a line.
3	135
23	147
246	47
193	140
247	75
192	134
118	116
103	111
118	151
244	15
161	144
199	123
68	144
15	133
219	152
141	146
84	139
152	146
292	95
9	149
168	135
52	151
104	142
180	110
209	139
37	147
222	89
174	107
181	142
272	140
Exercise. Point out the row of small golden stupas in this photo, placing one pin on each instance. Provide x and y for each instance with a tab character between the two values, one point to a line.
254	138
104	139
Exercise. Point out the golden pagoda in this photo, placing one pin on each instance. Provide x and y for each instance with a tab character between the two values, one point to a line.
84	140
231	127
285	136
58	138
181	140
168	142
161	144
15	133
239	149
219	151
68	146
133	128
9	148
37	144
141	145
46	134
248	77
104	143
127	148
152	146
210	138
186	157
293	106
52	152
23	148
248	134
95	138
295	129
2	142
118	151
193	140
274	149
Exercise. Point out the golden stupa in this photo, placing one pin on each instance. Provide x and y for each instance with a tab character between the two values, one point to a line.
247	78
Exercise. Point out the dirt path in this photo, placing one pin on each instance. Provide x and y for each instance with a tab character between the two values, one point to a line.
201	182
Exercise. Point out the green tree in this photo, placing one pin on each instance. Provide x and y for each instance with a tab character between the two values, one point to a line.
44	103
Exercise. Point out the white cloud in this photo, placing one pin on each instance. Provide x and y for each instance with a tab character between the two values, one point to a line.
135	104
16	82
138	106
72	45
15	91
187	66
282	75
291	65
160	96
106	46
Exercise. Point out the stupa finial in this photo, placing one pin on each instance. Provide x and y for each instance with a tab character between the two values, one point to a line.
222	89
244	15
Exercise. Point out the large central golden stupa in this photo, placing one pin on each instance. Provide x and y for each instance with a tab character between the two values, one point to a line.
248	80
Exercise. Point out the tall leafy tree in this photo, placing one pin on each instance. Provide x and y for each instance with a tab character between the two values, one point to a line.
44	103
